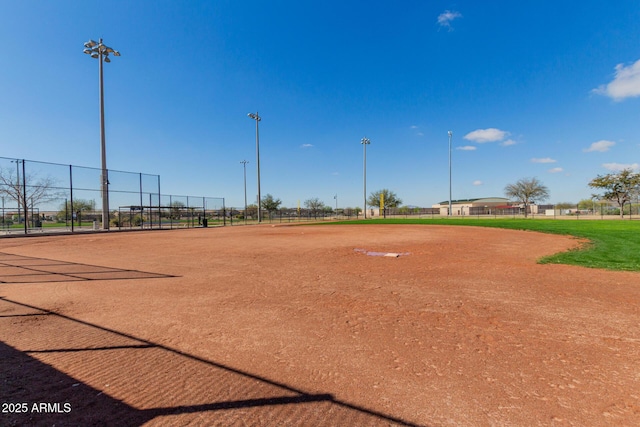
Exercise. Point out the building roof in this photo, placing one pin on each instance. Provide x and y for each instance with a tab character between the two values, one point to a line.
480	200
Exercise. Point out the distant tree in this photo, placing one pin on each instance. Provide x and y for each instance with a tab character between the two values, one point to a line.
565	205
391	200
37	190
270	204
587	204
618	187
527	191
314	205
78	205
252	210
137	220
176	208
404	210
348	211
600	205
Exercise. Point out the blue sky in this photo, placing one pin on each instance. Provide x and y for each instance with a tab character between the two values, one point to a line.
546	89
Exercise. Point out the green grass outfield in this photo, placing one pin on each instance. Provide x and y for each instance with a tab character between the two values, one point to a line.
614	244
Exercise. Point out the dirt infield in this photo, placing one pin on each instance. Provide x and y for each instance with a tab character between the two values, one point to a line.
302	325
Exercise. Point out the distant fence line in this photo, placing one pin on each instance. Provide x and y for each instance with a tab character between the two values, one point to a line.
602	211
41	196
597	210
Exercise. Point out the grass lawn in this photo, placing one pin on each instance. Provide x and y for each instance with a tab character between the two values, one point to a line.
614	244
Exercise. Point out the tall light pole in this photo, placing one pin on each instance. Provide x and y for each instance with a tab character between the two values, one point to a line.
244	165
101	52
450	135
257	118
365	141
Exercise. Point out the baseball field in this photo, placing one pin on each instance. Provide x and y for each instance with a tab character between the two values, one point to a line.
315	325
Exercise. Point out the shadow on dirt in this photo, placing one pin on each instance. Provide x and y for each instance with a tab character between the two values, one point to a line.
24	269
87	374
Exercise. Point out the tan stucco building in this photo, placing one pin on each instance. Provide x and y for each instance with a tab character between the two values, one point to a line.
484	206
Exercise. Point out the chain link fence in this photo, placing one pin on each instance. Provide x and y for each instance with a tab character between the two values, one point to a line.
41	196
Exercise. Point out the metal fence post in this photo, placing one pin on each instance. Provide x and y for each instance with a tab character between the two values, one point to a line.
159	205
71	193
24	200
141	205
150	213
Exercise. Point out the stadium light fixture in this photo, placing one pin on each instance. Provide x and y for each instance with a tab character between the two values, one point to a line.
365	141
101	52
257	118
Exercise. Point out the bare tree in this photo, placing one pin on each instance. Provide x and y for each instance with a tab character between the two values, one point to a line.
176	209
527	191
314	205
27	190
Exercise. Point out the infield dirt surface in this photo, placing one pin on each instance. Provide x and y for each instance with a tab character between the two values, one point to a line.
297	325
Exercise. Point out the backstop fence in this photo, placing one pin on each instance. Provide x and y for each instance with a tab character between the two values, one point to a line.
40	195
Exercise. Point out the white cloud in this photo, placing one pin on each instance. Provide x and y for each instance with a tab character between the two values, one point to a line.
617	167
555	170
508	142
466	148
626	83
477	182
420	134
543	160
486	135
306	145
414	127
602	146
446	17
